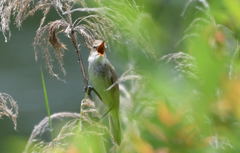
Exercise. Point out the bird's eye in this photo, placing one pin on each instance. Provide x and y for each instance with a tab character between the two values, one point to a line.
95	47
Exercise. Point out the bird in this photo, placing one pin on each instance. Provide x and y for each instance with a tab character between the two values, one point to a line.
102	75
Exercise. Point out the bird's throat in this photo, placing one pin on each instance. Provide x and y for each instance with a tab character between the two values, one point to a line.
101	49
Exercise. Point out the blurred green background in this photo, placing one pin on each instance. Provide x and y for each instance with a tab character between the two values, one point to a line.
188	109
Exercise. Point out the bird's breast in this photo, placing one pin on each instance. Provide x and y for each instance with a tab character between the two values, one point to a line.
98	75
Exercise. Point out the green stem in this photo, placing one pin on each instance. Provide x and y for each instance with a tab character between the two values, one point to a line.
46	101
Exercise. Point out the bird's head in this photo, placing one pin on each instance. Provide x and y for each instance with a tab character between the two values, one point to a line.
99	47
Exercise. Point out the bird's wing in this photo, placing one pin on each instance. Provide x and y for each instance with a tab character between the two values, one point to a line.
114	91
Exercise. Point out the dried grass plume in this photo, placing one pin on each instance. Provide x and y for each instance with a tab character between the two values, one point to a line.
8	108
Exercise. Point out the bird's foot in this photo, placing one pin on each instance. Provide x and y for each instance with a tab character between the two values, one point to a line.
88	90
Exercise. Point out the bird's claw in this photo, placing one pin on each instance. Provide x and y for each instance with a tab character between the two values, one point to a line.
88	90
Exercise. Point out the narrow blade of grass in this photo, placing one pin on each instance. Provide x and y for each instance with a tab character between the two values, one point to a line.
46	100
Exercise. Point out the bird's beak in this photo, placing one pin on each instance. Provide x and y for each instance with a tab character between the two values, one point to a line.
101	48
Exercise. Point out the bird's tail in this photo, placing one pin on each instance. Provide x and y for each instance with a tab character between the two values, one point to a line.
115	125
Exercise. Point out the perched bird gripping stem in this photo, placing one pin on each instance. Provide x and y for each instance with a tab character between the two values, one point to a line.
101	76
